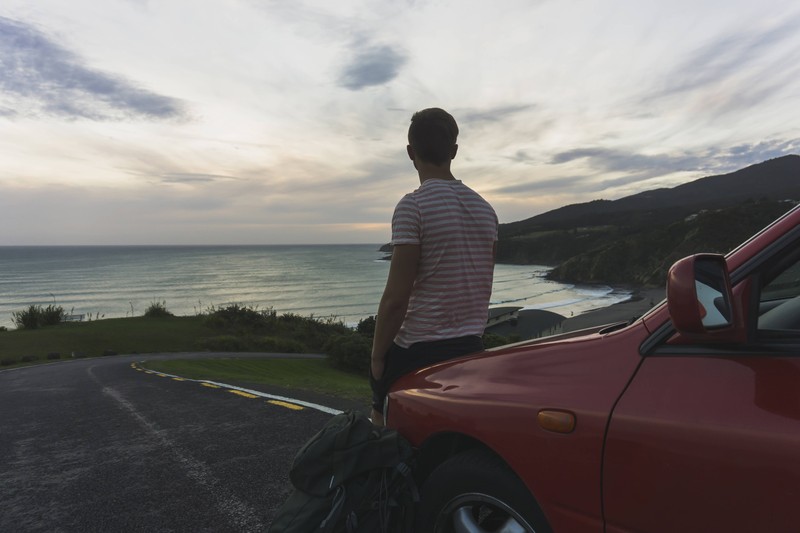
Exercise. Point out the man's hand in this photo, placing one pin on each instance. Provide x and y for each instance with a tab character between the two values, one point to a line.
392	309
377	419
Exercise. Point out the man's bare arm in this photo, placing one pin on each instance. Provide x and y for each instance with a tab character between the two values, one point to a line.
394	302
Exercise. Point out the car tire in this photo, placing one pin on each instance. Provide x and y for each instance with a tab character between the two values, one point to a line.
475	492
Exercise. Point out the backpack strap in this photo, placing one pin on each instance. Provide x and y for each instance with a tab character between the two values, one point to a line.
405	471
340	444
329	522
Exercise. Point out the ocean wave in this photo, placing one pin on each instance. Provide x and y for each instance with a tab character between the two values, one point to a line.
341	281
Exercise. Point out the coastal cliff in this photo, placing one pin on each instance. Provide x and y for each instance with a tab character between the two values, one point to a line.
634	240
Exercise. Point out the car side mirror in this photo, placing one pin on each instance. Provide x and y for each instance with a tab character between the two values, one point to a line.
700	299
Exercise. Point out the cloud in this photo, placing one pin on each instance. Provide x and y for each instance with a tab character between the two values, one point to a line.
638	167
373	65
495	114
43	77
549	185
742	155
186	177
736	71
613	160
717	158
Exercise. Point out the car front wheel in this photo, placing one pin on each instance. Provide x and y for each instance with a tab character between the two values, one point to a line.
475	492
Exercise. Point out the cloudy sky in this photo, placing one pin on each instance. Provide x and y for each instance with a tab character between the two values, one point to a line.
258	121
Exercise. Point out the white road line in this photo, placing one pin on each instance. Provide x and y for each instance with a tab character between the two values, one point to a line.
310	405
243	516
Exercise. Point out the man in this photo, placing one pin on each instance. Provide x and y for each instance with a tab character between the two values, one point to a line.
436	300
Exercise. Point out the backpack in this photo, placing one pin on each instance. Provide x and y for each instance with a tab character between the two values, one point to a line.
351	477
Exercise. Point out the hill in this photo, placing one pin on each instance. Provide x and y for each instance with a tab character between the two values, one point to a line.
635	239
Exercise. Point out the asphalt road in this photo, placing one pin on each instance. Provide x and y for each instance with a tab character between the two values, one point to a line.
97	445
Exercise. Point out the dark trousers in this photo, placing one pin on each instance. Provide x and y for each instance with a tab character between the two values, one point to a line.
400	361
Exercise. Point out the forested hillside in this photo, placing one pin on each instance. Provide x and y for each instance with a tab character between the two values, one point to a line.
634	240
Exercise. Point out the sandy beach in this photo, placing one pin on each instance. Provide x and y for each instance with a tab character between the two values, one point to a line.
533	323
641	302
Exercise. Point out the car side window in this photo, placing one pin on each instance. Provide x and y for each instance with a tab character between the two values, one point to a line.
779	301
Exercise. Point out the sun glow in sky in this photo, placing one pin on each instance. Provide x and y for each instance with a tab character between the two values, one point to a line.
260	122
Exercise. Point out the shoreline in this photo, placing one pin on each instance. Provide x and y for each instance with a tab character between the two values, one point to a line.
641	301
530	323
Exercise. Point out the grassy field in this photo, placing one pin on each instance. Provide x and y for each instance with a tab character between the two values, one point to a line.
315	375
118	335
233	330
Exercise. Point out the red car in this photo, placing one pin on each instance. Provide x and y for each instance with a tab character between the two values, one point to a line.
687	419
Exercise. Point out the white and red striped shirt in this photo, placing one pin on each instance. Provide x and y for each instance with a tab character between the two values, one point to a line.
456	230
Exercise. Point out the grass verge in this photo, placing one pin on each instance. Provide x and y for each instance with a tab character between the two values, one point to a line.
315	375
234	328
116	335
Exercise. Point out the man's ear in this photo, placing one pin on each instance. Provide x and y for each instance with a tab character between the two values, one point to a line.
410	152
455	150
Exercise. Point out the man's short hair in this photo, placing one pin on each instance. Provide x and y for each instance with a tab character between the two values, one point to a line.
432	135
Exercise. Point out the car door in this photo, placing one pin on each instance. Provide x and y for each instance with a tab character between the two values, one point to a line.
707	436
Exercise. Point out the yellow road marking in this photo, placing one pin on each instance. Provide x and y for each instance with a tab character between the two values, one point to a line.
286	405
242	393
245	394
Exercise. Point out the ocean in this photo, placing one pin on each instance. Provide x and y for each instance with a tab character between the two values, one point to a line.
341	281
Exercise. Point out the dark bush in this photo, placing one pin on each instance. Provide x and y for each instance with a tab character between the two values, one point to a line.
222	343
8	361
27	319
315	332
35	316
349	352
366	327
28	358
54	355
277	345
109	352
52	315
157	310
492	340
236	316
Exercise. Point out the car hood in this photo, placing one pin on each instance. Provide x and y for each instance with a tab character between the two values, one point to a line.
562	367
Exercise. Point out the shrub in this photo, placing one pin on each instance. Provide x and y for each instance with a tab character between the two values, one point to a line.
157	310
27	319
52	315
315	332
8	361
28	358
349	352
3	328
239	316
35	316
277	345
222	343
54	355
492	340
366	327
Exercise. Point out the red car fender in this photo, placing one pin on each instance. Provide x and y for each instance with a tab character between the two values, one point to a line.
495	398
